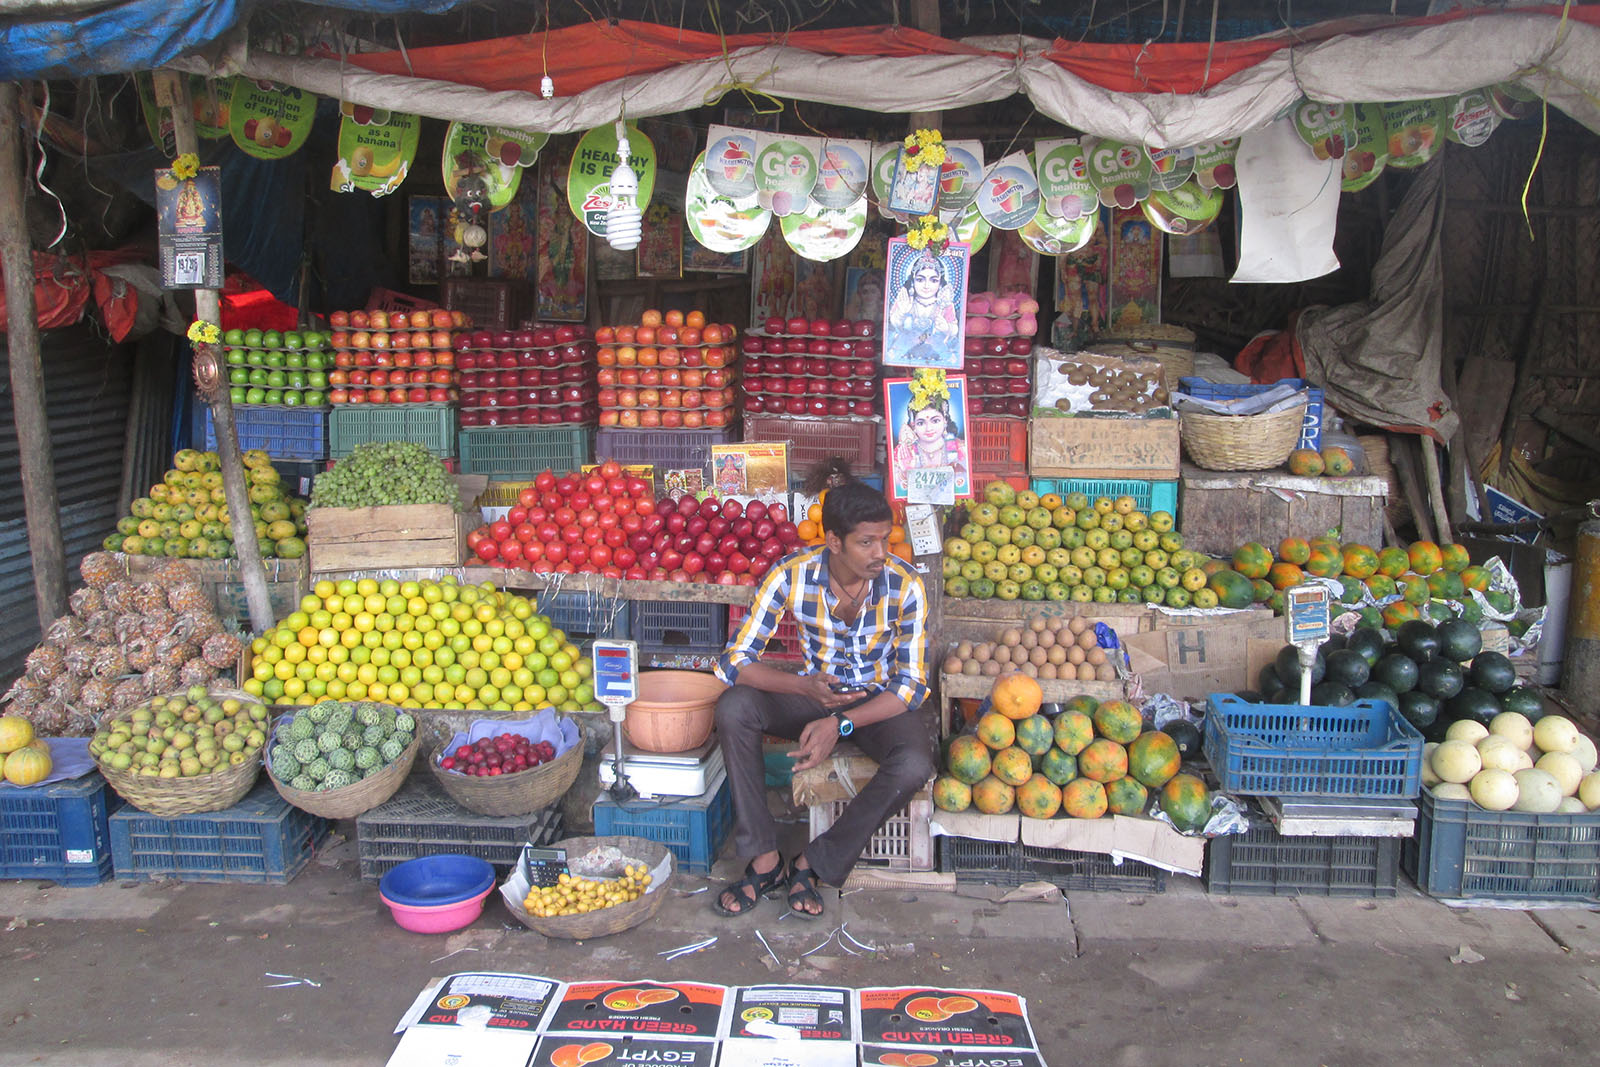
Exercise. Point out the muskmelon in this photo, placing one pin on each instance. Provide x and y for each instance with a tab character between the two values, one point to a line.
1555	733
1497	753
1451	791
1494	789
1564	769
1514	727
1456	761
1429	778
1589	790
1469	730
1537	791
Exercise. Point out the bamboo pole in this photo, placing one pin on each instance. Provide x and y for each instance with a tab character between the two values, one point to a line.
208	305
35	457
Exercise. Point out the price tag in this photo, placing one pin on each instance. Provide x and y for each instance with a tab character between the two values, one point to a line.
931	485
922	529
1306	614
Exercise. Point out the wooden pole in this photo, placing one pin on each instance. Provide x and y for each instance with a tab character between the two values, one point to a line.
35	457
208	307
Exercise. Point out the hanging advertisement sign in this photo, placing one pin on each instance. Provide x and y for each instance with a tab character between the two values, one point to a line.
730	162
1416	130
959	176
189	233
1213	164
1052	236
269	121
786	171
1008	196
1367	158
719	222
466	154
844	174
1170	167
589	177
1328	129
375	149
821	234
1120	172
1064	185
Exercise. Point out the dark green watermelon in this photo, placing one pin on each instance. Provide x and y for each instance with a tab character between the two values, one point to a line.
1396	670
1368	642
1284	695
1185	735
1378	691
1494	672
1334	643
1268	681
1459	640
1331	694
1348	667
1473	703
1287	664
1419	709
1526	701
1418	639
1441	678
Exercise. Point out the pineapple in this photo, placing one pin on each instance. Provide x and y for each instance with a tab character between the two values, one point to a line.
195	672
101	627
79	657
221	650
109	663
149	597
128	692
49	718
65	689
95	695
187	598
174	652
45	663
100	569
86	602
63	631
127	627
200	625
158	622
162	678
141	654
118	597
25	694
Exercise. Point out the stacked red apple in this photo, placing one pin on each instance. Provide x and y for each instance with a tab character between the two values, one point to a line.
394	357
999	374
672	371
606	523
812	367
490	757
540	375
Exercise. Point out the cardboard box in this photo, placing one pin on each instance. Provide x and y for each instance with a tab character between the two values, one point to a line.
1193	659
1103	447
1140	838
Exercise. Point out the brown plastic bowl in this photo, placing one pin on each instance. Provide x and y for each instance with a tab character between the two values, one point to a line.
675	710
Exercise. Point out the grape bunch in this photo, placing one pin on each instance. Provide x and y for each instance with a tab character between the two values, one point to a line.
385	472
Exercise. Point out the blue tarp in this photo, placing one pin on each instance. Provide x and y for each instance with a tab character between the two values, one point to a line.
142	34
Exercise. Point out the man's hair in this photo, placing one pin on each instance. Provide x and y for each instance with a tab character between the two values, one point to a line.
852	504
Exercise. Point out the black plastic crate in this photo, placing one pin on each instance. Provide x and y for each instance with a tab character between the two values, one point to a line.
1263	862
664	626
1011	863
1464	851
422	820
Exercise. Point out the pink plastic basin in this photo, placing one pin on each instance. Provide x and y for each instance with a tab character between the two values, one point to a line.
439	918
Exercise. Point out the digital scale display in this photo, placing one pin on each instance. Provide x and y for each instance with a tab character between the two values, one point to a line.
615	672
1307	614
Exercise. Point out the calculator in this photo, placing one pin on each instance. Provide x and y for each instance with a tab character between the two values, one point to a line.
543	866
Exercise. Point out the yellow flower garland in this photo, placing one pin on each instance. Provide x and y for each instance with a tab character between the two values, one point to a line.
186	166
204	333
923	147
928	383
927	230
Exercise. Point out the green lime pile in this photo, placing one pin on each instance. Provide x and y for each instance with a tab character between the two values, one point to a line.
382	473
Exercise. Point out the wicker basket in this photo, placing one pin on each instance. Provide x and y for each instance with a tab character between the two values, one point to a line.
511	794
185	796
1176	361
356	799
1241	442
611	920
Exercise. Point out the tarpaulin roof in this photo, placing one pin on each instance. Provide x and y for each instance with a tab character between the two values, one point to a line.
55	40
1160	95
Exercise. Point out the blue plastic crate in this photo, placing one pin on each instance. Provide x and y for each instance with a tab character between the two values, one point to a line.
1148	496
260	840
666	450
1463	851
664	626
694	828
1364	750
57	832
280	432
1310	430
523	451
588	614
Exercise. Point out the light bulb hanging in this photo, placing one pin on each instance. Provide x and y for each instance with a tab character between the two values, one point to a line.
624	223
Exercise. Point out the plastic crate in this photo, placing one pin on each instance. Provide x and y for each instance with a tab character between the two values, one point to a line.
57	832
665	450
430	425
816	440
261	840
1148	496
664	626
1364	750
523	451
588	615
1262	862
903	843
1310	429
422	820
694	828
784	644
997	445
1463	851
280	432
1011	863
492	304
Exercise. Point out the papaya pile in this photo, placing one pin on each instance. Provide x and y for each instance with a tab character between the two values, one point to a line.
1435	675
1386	586
1092	759
1020	545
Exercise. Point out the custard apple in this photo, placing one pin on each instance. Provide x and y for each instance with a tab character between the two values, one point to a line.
305	751
337	780
367	758
341	759
284	765
391	750
405	723
304	782
317	769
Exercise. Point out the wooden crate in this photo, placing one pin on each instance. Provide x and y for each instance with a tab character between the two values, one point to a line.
1108	447
409	535
1221	510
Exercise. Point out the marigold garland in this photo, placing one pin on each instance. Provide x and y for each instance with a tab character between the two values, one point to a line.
928	230
186	166
923	147
204	333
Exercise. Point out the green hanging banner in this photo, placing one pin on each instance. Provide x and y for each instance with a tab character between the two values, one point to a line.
269	121
466	152
376	147
589	177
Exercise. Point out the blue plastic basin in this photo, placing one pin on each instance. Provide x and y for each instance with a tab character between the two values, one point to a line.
429	881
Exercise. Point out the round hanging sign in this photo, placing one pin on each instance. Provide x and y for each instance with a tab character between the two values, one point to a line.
721	223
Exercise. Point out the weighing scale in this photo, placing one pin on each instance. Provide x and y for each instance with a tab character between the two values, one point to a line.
1306	617
643	774
616	685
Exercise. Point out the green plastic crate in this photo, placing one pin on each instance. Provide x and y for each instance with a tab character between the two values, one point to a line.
430	425
523	451
1148	495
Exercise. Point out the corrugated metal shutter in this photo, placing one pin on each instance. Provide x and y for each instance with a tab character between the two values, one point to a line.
87	383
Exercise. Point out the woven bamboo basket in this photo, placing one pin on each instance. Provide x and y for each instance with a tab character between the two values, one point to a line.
511	794
355	799
185	796
612	920
1241	442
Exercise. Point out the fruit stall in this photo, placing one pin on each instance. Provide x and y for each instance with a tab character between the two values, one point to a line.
464	497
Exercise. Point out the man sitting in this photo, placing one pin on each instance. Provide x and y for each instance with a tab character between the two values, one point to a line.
861	614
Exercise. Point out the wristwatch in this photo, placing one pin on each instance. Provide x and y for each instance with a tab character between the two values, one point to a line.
846	726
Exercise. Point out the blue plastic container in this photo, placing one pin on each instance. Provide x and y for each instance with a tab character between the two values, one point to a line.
693	828
1364	750
281	432
262	840
57	832
430	881
1462	851
1147	495
1310	430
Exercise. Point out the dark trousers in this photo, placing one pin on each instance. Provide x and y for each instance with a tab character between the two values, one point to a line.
901	746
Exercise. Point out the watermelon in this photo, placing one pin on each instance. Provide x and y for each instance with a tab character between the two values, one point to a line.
1494	672
1368	642
1459	640
1397	671
1287	664
1331	694
1378	691
1473	703
1418	639
1419	709
1524	700
1441	678
1185	735
1348	667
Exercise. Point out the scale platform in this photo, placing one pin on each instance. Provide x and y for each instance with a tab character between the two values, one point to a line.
1341	816
665	774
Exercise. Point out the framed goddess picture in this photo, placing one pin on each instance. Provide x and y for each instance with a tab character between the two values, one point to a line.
924	299
927	427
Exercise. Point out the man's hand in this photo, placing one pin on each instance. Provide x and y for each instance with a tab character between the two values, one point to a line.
819	687
816	743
